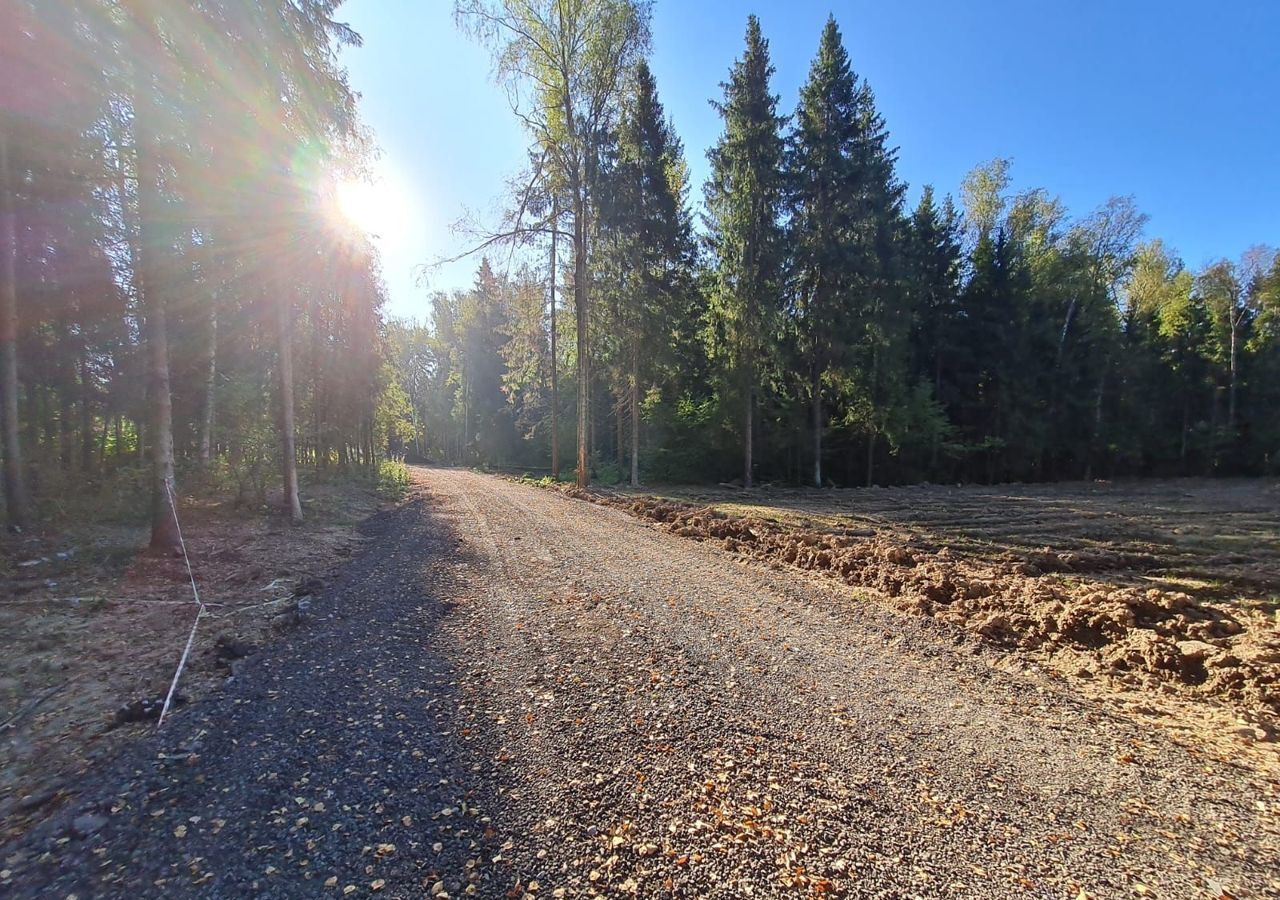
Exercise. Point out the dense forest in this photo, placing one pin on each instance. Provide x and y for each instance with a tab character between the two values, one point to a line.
182	306
178	295
812	326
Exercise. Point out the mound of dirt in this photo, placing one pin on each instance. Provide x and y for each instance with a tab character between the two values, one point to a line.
1141	637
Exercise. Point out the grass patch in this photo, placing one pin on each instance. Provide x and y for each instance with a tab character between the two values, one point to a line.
393	480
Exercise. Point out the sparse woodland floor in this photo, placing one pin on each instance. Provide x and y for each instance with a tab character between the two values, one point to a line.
512	693
92	623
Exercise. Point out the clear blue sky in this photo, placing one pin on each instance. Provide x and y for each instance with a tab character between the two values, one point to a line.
1176	102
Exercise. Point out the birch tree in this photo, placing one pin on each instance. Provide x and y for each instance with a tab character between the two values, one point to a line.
563	63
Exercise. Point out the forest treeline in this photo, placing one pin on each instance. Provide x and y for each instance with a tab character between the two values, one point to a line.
182	305
812	326
180	302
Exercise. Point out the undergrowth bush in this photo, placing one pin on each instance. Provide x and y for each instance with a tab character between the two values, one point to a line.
393	479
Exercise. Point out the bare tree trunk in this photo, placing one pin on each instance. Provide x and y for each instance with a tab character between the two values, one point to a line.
1097	427
1186	427
871	438
584	348
1231	390
748	433
619	439
555	357
15	489
937	396
284	351
102	442
88	441
635	416
871	457
1066	327
593	442
210	385
164	519
66	407
817	426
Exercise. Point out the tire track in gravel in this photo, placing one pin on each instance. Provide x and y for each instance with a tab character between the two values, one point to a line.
720	730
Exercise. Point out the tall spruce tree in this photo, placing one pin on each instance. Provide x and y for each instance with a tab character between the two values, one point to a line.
827	189
744	198
650	243
846	228
934	258
853	139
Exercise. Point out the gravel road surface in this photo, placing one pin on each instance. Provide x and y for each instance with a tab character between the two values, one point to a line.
511	693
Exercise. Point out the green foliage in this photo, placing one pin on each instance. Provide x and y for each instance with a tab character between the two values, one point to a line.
744	198
175	177
393	480
827	332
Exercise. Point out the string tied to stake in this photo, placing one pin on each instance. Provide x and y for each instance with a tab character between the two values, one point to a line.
195	592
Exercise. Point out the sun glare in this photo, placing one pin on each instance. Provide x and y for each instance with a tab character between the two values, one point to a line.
375	207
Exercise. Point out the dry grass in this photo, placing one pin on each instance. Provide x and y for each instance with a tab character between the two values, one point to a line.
92	622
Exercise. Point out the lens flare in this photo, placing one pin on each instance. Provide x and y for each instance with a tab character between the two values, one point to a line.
375	206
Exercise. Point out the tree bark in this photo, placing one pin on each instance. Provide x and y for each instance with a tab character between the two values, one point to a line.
88	441
15	489
635	417
619	439
817	426
288	458
1186	427
748	433
1231	390
66	407
1097	427
584	349
208	391
555	357
164	519
871	457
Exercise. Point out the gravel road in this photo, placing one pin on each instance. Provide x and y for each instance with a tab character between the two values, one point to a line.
511	693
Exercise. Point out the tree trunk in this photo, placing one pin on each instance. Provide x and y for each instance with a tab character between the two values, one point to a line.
817	426
66	408
102	442
619	438
1231	390
1066	327
871	438
1097	427
15	489
164	519
748	433
937	396
555	358
584	349
88	441
635	417
208	388
1186	427
871	457
284	352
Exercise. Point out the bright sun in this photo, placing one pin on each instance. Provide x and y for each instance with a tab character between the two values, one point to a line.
375	207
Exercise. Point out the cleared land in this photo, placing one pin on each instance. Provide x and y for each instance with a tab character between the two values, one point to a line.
1165	588
511	693
93	628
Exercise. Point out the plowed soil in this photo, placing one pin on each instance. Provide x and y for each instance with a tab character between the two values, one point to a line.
1173	587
